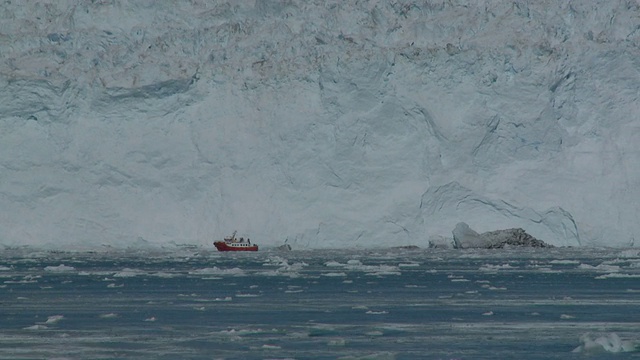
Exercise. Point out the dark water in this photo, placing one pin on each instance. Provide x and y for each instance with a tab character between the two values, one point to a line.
383	304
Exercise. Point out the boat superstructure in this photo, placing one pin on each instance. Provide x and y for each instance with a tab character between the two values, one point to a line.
232	243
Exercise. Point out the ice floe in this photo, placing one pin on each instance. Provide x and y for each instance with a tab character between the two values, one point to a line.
611	342
54	319
127	272
60	268
36	327
109	316
602	267
217	271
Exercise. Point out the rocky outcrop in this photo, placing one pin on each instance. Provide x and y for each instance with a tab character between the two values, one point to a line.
466	238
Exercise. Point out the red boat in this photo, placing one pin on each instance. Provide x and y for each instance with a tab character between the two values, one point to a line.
232	243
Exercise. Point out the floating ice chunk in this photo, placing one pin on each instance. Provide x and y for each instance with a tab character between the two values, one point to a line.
153	318
408	265
36	327
21	281
565	262
96	273
333	264
356	265
217	271
601	267
630	253
381	312
109	316
374	333
127	272
246	295
566	317
489	267
293	291
616	275
488	313
383	273
333	274
54	319
605	343
384	355
285	270
163	274
59	268
495	288
337	342
277	260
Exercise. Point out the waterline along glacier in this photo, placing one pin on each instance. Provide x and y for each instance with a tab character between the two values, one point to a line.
370	123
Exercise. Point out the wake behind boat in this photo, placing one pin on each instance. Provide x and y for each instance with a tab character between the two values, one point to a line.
232	243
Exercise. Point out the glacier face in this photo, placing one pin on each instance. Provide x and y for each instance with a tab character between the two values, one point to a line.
321	122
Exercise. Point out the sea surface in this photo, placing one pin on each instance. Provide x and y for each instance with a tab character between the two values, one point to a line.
192	303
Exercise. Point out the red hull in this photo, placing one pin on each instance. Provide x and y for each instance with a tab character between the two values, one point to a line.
223	246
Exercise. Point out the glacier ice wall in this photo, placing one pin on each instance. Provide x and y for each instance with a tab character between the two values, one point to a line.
321	122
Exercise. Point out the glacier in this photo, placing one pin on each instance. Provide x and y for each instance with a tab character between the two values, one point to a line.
319	123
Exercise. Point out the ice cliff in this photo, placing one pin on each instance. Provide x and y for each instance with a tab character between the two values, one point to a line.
366	123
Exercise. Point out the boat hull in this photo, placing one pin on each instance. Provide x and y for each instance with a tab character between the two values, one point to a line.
224	246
